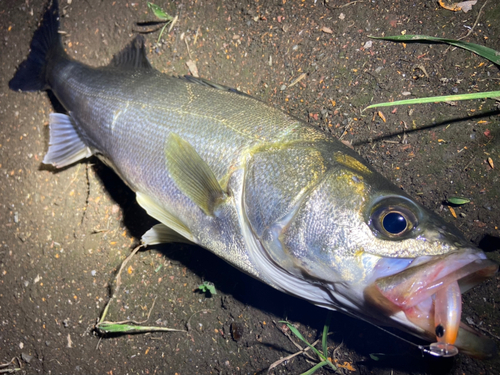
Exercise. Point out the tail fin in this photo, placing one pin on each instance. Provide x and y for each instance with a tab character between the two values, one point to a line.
46	44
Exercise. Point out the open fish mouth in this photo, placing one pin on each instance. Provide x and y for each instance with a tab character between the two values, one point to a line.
429	293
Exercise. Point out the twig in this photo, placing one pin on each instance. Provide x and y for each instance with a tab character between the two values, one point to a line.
187	46
297	80
301	349
188	324
280	361
118	283
118	276
127	326
469	163
4	370
133	321
472	28
475	23
174	21
342	6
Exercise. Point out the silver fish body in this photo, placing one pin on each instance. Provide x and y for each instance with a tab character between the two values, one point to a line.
280	200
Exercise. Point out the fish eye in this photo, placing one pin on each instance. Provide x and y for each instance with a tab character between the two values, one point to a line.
393	221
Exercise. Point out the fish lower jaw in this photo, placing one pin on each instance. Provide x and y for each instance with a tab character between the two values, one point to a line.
429	296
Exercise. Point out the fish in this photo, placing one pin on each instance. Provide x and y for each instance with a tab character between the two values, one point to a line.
279	199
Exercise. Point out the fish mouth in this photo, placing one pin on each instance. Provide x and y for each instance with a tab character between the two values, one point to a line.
429	293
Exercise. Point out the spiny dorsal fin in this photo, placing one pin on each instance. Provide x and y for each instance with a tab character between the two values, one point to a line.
192	175
133	56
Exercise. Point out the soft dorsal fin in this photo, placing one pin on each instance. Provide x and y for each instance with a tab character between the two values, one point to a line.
133	56
192	174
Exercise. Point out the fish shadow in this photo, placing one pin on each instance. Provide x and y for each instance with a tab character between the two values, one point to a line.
489	243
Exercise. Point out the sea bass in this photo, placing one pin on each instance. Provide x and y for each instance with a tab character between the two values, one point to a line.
282	201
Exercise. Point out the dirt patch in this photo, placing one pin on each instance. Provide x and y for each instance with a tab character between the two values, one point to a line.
65	233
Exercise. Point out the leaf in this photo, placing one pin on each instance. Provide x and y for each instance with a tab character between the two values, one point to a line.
452	210
326	30
159	12
487	53
465	6
378	356
458	200
490	162
207	286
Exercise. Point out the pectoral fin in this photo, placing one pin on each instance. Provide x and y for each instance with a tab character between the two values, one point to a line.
192	175
65	145
163	216
160	233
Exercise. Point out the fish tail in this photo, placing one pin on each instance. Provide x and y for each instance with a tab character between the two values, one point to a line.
46	48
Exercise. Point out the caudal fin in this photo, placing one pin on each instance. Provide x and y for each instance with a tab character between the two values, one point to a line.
45	46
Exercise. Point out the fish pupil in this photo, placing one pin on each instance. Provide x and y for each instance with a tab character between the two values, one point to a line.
439	331
394	223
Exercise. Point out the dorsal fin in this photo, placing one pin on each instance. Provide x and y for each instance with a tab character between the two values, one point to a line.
133	56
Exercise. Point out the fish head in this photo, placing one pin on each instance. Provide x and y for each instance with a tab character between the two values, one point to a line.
362	246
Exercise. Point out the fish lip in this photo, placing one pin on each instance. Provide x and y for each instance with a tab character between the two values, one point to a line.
422	278
415	287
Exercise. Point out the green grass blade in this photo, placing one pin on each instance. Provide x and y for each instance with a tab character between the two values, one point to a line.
487	53
438	99
324	338
296	332
312	370
130	328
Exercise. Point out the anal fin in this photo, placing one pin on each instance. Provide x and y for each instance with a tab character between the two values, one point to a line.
163	216
65	145
160	233
192	174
